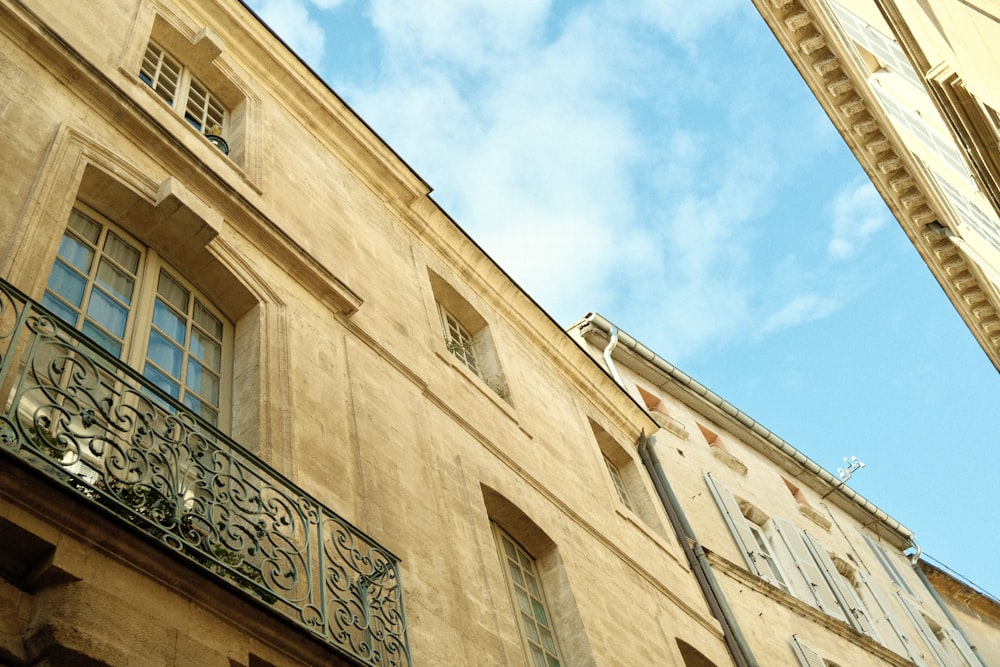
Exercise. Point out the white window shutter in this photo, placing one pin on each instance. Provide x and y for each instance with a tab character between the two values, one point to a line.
912	651
884	558
925	632
963	648
856	613
821	593
807	657
737	525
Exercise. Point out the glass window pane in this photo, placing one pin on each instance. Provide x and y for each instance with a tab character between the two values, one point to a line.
522	600
76	253
198	407
532	585
529	628
60	309
206	349
547	640
539	611
165	354
173	292
169	322
537	657
115	281
122	252
84	226
207	321
203	381
67	283
165	383
107	312
508	548
552	661
111	345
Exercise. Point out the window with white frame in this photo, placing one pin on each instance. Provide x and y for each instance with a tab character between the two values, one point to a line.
136	307
180	89
459	341
528	599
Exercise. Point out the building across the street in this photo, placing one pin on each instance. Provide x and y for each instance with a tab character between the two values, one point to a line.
913	88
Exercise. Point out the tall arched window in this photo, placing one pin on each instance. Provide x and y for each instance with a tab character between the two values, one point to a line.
137	307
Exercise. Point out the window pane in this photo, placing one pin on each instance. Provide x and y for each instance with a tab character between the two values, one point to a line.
153	374
107	312
529	628
198	407
206	349
115	281
76	253
547	640
84	226
539	612
60	309
207	321
202	381
522	600
537	657
111	345
165	354
122	252
68	284
169	322
173	292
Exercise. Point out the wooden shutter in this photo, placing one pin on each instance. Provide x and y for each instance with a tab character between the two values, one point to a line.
737	525
807	657
856	613
912	651
822	595
884	558
925	632
963	648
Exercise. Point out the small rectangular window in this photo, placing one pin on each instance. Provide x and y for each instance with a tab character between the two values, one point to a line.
179	88
619	483
460	342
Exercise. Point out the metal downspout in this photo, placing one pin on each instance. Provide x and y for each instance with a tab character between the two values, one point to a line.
696	556
612	343
914	560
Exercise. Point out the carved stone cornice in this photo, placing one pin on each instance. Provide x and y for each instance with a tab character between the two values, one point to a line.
817	52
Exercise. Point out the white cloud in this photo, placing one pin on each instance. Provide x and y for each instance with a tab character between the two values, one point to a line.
470	33
857	213
532	121
801	309
291	20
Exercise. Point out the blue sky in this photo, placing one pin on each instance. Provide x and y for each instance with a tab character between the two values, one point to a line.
662	162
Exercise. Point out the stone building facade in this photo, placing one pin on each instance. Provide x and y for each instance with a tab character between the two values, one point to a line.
812	572
912	88
264	403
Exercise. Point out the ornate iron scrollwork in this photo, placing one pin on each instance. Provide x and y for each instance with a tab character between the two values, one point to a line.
95	426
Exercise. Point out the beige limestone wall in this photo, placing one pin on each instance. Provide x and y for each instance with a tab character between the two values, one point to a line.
341	380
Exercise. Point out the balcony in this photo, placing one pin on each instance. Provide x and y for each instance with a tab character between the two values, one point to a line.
99	430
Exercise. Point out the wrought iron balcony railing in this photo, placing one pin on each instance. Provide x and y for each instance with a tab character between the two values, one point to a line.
99	429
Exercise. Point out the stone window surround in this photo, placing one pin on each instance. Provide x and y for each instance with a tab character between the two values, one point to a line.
186	231
199	49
